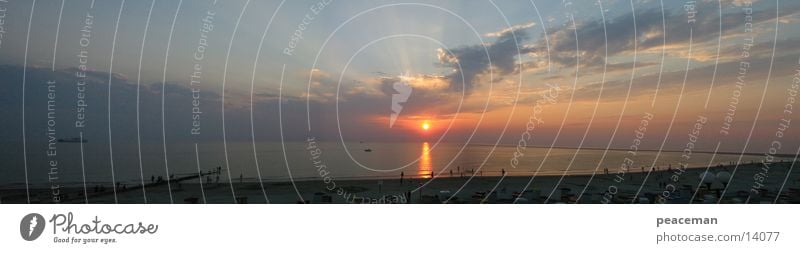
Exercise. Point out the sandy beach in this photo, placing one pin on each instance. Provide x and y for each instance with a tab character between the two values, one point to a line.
751	184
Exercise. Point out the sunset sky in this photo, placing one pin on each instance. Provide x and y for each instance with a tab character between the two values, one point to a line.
476	69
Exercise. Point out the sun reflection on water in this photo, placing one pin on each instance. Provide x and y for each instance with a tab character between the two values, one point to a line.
425	168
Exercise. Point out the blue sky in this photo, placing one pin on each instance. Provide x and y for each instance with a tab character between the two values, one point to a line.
443	49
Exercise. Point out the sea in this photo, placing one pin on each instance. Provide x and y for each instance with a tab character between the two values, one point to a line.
76	163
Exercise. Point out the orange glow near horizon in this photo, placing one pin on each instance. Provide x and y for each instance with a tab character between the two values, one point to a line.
426	125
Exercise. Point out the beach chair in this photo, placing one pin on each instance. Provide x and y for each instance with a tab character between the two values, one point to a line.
709	199
444	195
191	200
532	194
317	197
685	194
241	200
593	198
793	195
505	196
520	200
430	199
492	197
754	197
358	200
555	197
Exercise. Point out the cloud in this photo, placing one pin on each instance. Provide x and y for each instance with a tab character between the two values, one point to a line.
700	77
589	43
740	2
469	62
509	29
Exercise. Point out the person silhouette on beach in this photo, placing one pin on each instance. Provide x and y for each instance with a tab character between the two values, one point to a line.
401	177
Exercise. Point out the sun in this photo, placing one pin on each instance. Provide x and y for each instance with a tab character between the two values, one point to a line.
426	126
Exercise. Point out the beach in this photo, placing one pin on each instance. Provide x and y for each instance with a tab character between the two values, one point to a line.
751	183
